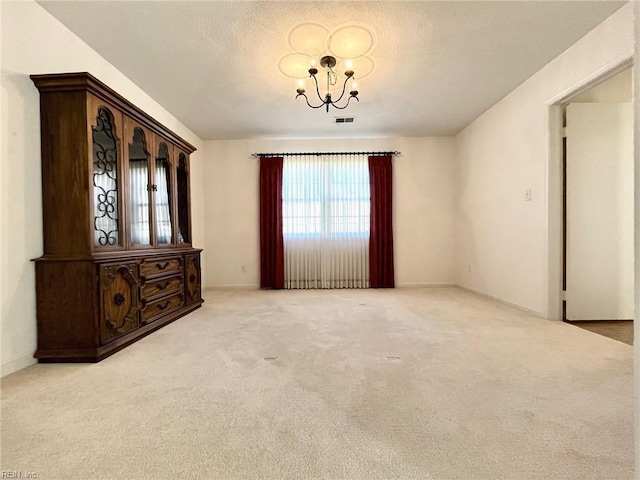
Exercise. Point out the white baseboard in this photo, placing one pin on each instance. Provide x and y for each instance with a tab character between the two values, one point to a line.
213	287
398	285
19	364
503	301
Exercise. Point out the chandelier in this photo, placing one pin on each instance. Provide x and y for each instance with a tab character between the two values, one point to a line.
328	62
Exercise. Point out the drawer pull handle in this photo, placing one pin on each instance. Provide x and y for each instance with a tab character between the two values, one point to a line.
162	286
118	299
162	266
163	306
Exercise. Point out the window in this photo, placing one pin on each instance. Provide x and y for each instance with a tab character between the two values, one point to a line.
325	197
326	221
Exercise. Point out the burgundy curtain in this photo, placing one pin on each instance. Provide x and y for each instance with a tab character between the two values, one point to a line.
381	240
271	238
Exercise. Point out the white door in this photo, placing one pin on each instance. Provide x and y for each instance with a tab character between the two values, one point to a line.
599	235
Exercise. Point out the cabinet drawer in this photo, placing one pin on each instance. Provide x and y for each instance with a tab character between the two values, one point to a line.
162	307
162	286
163	266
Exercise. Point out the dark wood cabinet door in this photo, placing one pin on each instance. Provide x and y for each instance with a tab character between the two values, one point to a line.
138	166
119	306
163	192
192	278
107	183
183	194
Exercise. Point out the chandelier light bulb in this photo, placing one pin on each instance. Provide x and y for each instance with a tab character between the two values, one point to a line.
354	90
349	64
312	69
300	88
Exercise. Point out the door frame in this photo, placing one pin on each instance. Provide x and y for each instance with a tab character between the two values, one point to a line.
555	180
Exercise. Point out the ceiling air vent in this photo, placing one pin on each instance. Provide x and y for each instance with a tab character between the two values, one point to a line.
344	119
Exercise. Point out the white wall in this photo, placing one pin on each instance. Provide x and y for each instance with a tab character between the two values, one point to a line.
506	240
34	42
423	205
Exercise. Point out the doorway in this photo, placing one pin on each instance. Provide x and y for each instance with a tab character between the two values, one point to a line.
598	208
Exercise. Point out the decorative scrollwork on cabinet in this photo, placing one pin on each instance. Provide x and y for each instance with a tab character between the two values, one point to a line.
105	179
119	300
192	280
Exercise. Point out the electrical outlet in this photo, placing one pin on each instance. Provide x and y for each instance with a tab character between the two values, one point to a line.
243	268
469	267
527	195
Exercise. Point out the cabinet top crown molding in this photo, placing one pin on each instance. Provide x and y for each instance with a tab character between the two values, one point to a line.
84	81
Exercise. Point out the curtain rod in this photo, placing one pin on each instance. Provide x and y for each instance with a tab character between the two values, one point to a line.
322	153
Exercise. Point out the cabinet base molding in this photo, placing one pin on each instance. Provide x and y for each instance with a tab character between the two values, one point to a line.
94	355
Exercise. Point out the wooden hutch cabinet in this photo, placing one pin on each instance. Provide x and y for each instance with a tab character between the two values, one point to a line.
118	261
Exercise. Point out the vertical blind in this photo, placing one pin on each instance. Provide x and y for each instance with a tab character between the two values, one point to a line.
163	213
139	180
139	198
326	221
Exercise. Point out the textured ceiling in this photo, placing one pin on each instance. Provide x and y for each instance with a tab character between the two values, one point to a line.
438	65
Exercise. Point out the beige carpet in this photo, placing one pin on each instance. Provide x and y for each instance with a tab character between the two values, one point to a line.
353	384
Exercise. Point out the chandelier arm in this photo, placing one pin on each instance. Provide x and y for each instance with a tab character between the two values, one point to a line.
307	100
318	91
346	104
344	88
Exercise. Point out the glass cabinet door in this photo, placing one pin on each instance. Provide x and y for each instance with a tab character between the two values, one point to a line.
139	186
182	181
162	192
106	177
